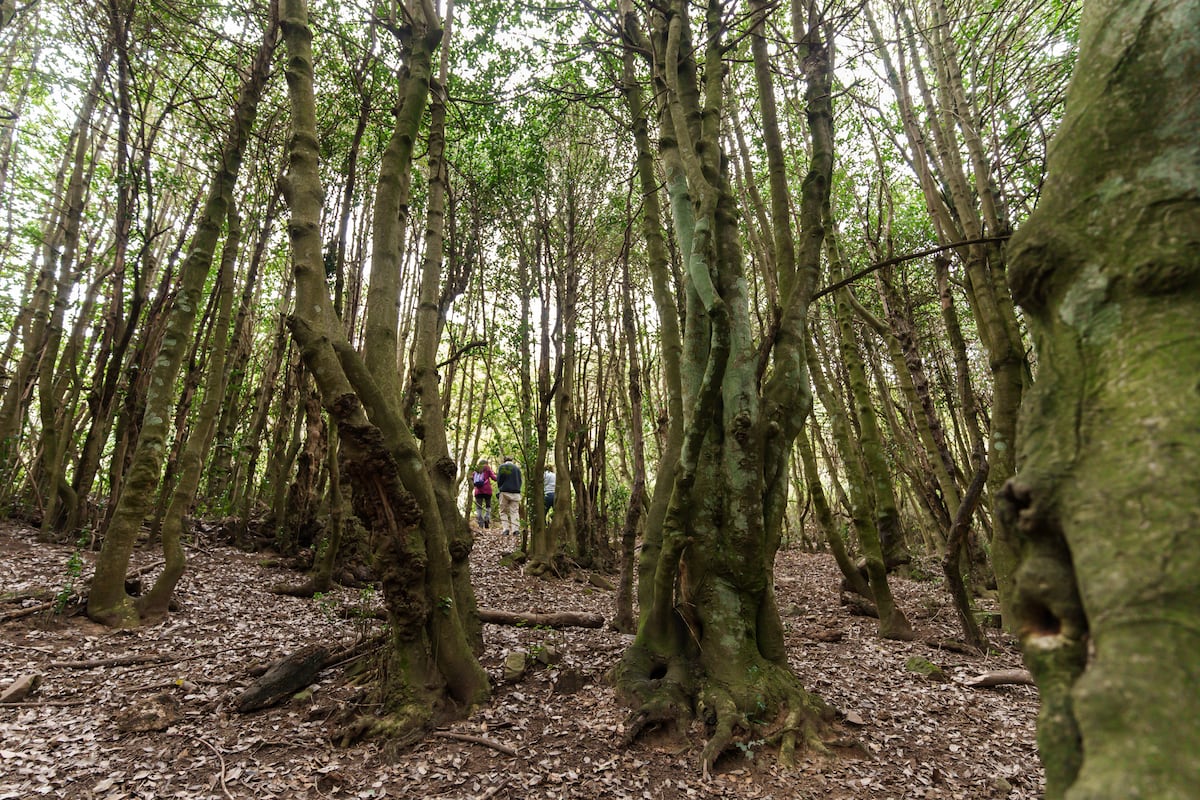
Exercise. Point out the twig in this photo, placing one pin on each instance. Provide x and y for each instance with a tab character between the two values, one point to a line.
495	790
145	660
221	758
194	546
48	703
140	571
20	598
116	661
30	647
25	612
466	737
196	656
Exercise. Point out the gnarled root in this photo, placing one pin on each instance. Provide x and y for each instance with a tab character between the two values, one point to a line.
768	707
401	728
720	703
657	688
800	718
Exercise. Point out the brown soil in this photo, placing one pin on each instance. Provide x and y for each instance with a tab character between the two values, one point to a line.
79	735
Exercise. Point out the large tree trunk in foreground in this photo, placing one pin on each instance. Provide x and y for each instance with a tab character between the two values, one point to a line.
1107	497
428	670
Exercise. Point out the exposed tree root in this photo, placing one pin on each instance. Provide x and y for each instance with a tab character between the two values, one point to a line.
767	707
402	727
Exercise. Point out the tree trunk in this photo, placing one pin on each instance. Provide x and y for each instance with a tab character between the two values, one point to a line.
816	493
428	668
1105	501
625	619
154	603
711	637
107	600
962	211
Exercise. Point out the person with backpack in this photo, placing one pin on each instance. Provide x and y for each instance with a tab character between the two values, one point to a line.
548	484
508	481
482	479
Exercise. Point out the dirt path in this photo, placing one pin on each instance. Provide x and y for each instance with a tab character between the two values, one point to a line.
81	736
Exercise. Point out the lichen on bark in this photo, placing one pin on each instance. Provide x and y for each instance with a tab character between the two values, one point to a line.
1105	499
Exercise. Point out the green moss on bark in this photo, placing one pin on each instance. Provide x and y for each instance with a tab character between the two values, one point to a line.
1105	501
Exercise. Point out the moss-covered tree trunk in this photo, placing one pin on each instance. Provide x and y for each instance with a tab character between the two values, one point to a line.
1107	497
710	642
624	617
876	513
156	601
107	600
428	670
433	302
670	341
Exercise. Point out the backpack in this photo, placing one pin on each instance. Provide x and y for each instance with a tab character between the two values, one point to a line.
478	478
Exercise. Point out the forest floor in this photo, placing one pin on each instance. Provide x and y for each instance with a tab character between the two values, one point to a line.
83	734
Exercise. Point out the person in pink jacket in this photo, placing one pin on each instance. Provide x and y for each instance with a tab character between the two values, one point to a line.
482	479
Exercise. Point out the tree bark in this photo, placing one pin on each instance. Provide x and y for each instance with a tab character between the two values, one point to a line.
710	637
108	602
428	668
1105	500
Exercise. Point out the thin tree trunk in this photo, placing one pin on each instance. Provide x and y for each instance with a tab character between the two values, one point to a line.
107	600
625	619
154	603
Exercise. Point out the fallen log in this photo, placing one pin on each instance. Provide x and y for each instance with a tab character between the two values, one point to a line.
565	619
286	677
291	674
1001	677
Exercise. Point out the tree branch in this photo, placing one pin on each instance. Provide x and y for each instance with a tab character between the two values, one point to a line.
901	259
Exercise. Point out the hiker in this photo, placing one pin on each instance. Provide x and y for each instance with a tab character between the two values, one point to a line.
548	484
508	481
482	479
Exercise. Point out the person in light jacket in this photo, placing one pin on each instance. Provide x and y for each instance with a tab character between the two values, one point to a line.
548	484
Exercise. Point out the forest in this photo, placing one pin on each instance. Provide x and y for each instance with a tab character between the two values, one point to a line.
846	352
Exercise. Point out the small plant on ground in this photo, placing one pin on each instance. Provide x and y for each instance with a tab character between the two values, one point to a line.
326	604
74	571
363	613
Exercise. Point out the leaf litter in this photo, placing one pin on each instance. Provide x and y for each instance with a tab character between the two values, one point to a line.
85	733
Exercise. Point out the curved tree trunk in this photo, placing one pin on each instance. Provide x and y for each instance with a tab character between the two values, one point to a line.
711	637
428	668
107	601
154	603
1105	501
